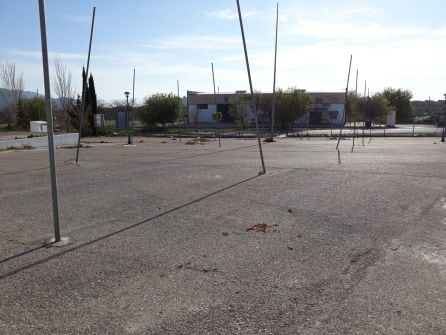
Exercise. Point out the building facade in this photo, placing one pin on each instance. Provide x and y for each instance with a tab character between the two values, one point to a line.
328	108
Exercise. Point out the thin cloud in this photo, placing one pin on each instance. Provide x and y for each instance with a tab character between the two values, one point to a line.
229	14
202	42
38	54
75	18
331	30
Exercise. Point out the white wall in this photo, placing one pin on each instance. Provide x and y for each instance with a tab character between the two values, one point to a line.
40	142
340	109
204	115
304	119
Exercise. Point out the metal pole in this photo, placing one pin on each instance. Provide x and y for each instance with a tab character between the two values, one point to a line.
273	111
133	90
213	81
133	104
49	117
365	110
413	125
444	120
428	105
84	88
345	102
215	103
250	86
129	141
370	113
354	117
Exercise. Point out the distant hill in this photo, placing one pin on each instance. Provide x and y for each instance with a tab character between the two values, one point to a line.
4	95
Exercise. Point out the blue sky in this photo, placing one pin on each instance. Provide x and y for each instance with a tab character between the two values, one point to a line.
394	44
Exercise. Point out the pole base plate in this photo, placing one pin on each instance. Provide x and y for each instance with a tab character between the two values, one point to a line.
64	241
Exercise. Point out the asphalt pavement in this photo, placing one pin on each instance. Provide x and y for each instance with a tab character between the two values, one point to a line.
176	238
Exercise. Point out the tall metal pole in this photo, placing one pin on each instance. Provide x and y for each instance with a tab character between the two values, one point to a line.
273	111
370	112
215	103
354	120
49	117
178	88
444	120
428	105
250	86
131	111
129	140
213	81
84	88
365	110
133	90
413	125
345	102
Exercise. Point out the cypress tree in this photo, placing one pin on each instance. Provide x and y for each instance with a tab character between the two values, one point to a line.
93	103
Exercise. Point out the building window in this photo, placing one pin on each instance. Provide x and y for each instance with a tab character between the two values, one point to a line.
333	100
202	106
333	114
319	100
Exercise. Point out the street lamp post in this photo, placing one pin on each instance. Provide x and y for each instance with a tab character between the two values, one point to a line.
444	119
129	137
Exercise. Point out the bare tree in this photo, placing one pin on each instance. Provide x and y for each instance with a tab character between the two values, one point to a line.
13	84
63	89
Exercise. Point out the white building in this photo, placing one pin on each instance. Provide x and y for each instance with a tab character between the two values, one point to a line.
327	109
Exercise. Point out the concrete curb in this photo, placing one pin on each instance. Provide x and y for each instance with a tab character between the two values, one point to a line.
40	142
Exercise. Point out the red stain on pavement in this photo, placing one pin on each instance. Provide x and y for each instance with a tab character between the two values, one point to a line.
261	227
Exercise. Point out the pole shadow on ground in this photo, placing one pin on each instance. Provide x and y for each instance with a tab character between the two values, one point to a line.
104	237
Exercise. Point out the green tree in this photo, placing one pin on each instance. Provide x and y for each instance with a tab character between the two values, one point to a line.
238	110
93	104
400	99
160	108
264	106
88	125
379	106
31	110
354	111
217	116
21	120
74	112
291	105
375	107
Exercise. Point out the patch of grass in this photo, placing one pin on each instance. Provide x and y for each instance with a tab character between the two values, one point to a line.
197	140
25	147
75	146
95	142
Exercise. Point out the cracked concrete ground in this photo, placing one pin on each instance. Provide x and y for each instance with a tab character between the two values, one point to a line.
163	245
